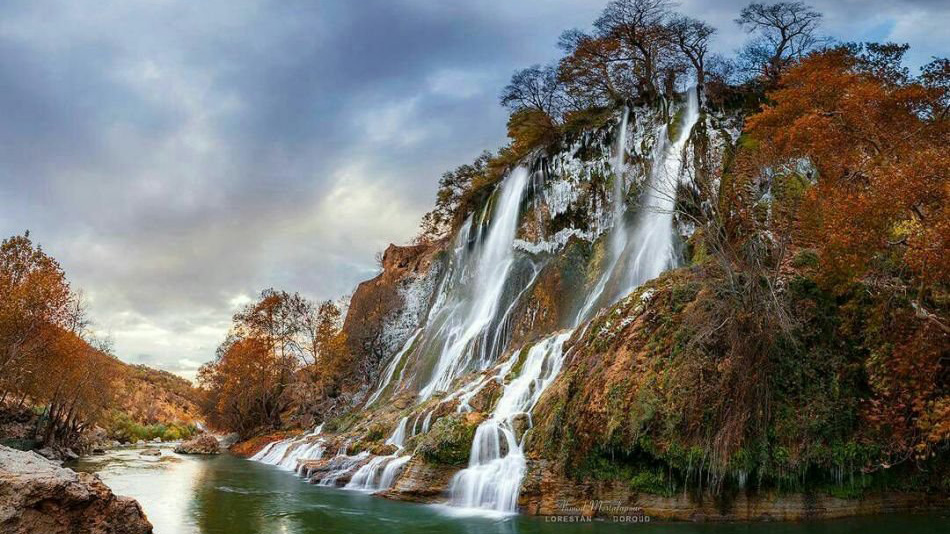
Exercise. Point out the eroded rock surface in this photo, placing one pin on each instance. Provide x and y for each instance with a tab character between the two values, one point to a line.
38	496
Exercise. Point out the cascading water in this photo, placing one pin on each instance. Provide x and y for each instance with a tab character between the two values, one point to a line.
288	453
497	465
391	368
649	251
466	328
365	477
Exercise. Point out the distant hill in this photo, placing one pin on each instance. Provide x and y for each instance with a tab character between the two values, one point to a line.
154	396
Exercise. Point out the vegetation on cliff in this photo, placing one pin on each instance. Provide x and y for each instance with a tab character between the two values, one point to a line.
807	344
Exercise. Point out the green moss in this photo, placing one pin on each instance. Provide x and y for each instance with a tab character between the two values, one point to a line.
449	441
516	369
654	482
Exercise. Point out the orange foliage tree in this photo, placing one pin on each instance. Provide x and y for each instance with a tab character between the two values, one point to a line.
876	141
282	350
46	356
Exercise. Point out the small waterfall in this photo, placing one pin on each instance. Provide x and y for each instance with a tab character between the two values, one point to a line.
649	251
391	368
288	453
391	471
497	465
340	465
399	435
467	326
426	422
365	477
618	231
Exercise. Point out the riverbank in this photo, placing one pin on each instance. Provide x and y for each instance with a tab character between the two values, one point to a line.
229	495
546	494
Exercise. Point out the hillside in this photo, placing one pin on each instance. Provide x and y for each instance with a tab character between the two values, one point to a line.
155	396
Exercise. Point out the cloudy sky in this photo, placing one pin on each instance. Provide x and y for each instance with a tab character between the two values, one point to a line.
179	156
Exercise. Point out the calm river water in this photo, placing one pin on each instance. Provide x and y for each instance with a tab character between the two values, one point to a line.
228	495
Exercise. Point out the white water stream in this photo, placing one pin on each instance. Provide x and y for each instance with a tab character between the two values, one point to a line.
469	321
497	465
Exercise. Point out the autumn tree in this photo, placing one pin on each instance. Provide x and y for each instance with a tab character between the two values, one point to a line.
244	386
691	36
35	301
48	358
875	140
454	186
280	349
645	46
535	88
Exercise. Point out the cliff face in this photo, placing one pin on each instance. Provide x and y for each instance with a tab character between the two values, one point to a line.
551	351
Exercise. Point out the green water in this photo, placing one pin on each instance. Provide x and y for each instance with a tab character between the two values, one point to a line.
227	495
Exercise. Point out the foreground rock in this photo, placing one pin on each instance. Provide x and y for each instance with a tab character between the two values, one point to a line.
38	496
204	444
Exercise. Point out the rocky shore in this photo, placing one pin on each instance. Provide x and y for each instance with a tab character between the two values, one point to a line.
38	496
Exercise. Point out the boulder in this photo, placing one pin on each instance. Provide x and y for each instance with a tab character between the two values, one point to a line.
36	495
203	444
151	452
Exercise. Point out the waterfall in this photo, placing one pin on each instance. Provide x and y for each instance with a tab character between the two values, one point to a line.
653	250
634	259
365	477
340	465
391	368
288	453
391	471
473	315
468	326
497	465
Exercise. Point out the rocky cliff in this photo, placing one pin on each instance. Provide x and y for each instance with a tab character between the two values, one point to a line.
561	346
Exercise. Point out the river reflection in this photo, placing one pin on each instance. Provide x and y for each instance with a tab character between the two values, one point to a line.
228	495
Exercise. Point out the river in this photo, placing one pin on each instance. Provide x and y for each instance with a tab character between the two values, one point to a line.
228	495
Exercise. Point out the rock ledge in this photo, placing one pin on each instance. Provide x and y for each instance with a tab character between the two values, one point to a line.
37	495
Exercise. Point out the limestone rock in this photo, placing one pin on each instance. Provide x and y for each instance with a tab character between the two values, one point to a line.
36	495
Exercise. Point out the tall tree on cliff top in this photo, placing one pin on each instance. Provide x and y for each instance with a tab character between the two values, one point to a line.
781	33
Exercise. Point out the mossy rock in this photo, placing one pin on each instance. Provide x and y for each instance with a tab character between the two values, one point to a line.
376	432
449	442
485	399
